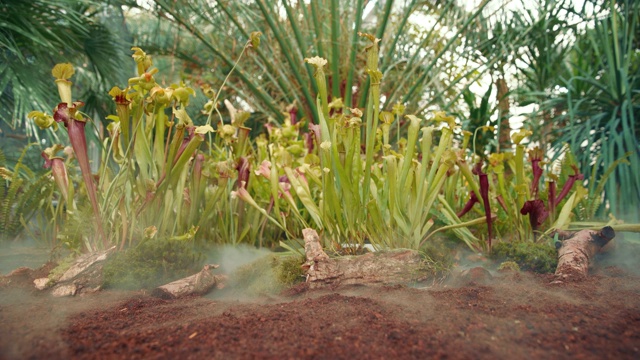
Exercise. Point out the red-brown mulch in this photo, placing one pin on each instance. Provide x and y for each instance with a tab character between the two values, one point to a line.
520	316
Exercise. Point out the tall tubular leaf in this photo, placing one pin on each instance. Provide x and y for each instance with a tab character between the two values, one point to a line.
373	109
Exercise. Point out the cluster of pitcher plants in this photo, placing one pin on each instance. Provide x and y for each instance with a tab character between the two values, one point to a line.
162	176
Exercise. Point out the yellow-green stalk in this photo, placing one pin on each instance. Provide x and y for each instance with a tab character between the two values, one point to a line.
468	175
521	186
448	160
391	163
412	138
445	144
122	109
387	119
321	83
373	109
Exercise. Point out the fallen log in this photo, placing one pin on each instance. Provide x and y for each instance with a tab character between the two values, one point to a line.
83	276
379	268
576	251
198	284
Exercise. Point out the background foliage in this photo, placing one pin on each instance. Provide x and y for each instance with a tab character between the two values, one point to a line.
34	36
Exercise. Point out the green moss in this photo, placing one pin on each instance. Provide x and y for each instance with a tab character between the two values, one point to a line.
438	258
269	274
151	264
62	267
257	276
536	257
509	266
289	271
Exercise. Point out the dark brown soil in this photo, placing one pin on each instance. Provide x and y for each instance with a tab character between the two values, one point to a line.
518	316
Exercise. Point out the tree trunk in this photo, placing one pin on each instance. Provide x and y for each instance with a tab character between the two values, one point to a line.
577	250
504	136
380	268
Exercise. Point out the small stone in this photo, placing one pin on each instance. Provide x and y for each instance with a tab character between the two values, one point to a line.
476	275
41	283
64	290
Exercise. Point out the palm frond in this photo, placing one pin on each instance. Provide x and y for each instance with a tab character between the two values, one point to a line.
602	109
37	34
421	66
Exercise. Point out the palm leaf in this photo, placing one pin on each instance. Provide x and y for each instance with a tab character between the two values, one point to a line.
293	30
602	109
37	34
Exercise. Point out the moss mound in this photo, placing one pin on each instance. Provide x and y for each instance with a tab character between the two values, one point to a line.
530	256
509	266
438	258
152	263
62	267
269	274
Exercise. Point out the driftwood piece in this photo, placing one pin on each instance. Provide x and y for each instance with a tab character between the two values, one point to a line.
84	276
198	284
578	249
84	262
64	289
24	276
390	267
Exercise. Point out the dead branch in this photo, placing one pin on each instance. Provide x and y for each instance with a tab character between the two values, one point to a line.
389	267
577	250
84	276
198	284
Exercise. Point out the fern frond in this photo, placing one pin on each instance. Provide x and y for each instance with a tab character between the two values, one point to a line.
21	196
5	173
3	159
20	167
8	202
31	200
